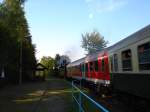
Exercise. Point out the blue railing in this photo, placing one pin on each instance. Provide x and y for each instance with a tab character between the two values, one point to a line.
80	103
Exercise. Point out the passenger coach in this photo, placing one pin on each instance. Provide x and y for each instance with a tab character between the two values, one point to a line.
125	66
129	62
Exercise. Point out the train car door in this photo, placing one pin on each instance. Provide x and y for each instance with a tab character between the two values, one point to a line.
105	68
83	70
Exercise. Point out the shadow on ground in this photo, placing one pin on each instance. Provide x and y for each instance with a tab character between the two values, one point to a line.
53	95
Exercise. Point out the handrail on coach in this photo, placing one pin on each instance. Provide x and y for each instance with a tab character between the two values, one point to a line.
79	102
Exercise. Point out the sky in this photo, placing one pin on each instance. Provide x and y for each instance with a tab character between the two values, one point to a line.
56	25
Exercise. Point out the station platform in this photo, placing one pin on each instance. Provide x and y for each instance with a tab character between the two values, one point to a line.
53	95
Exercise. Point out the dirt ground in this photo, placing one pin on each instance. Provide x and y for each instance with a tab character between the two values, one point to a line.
53	95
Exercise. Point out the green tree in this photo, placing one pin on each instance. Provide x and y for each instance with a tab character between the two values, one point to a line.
48	62
57	58
93	42
15	40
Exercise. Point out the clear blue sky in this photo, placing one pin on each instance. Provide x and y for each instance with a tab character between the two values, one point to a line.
56	25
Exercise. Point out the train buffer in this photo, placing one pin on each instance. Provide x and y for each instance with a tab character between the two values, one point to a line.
83	103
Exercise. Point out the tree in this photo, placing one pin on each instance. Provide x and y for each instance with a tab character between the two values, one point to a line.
57	58
61	61
47	62
93	42
65	60
15	37
22	1
60	65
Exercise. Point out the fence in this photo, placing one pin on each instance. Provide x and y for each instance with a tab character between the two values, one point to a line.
83	102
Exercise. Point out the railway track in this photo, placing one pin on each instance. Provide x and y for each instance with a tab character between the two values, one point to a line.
114	103
117	104
108	101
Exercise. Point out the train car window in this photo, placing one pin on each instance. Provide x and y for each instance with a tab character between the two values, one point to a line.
78	67
144	56
91	66
96	65
82	67
103	65
115	62
111	63
126	60
86	67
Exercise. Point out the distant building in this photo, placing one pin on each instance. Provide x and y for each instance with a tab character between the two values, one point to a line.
63	61
40	71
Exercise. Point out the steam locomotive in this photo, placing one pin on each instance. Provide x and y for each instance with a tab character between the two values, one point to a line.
123	67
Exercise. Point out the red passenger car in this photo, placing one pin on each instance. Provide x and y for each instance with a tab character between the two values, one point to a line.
125	66
97	68
93	69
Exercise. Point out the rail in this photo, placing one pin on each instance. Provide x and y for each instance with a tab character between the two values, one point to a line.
80	102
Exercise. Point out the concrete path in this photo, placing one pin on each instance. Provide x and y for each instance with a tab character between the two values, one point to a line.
53	95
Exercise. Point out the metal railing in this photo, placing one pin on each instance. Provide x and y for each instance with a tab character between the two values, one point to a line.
76	92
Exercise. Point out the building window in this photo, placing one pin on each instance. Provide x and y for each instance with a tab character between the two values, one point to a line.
144	56
91	66
103	65
115	62
126	60
96	65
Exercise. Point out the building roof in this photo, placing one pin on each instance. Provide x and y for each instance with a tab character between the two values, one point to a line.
40	66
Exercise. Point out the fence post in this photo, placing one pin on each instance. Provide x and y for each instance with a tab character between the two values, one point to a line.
80	95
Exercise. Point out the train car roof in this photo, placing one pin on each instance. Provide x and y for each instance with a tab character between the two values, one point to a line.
77	62
135	37
94	56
